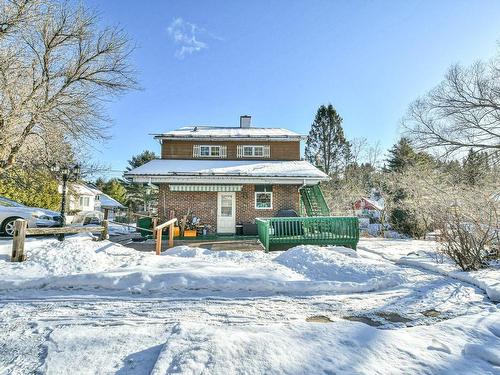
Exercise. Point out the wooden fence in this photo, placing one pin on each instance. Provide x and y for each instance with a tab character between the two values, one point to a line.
21	230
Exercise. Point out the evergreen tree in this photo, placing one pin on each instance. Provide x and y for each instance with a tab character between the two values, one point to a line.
140	159
141	197
30	187
115	190
100	183
402	155
326	143
475	167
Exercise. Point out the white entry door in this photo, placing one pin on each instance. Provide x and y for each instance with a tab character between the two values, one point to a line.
226	218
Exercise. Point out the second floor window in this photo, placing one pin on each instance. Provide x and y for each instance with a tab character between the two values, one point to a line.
254	151
208	151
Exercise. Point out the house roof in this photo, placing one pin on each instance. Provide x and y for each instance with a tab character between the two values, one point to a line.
82	189
105	200
378	205
219	132
236	171
108	202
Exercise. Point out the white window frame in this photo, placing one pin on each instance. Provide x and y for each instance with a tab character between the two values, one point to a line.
84	201
263	192
221	153
266	151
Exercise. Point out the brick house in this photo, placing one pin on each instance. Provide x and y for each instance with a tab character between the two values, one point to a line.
229	175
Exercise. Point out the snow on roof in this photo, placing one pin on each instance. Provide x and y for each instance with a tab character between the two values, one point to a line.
108	202
105	200
246	168
219	132
82	189
379	205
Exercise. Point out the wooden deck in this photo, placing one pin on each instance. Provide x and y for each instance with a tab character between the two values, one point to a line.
216	245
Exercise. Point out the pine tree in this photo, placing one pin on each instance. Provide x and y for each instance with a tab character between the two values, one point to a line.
402	155
100	183
475	167
141	197
140	159
114	188
326	143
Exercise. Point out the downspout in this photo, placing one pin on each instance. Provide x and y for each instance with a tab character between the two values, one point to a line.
301	208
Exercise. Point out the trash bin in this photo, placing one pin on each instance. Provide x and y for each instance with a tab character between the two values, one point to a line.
239	229
145	223
249	229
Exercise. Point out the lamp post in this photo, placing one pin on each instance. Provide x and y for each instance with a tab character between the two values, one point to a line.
66	173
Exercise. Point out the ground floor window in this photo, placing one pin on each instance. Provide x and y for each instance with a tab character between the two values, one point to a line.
263	196
84	201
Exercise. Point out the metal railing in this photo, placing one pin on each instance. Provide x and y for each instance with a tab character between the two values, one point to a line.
320	230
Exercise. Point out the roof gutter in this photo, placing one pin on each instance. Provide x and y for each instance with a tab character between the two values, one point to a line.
209	179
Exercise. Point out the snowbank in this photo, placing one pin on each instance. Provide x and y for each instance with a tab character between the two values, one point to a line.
468	344
339	264
79	263
422	254
50	259
486	279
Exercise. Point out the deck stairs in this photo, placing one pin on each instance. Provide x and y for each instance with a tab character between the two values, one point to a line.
313	201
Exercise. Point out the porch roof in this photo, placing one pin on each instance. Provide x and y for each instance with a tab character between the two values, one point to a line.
228	171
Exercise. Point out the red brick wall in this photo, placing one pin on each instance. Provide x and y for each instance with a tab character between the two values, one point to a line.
204	204
285	197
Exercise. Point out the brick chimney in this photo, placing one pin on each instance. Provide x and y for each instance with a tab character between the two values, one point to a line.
245	121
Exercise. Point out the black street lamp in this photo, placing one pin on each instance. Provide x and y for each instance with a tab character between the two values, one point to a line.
66	173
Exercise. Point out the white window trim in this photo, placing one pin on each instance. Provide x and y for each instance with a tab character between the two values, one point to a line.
222	151
266	151
255	200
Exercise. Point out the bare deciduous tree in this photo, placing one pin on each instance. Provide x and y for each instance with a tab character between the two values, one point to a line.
467	217
57	69
461	113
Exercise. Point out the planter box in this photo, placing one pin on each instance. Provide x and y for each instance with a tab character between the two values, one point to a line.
190	233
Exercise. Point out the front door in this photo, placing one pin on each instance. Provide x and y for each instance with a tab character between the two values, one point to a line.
226	218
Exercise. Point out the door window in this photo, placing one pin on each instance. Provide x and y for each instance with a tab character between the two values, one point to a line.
226	205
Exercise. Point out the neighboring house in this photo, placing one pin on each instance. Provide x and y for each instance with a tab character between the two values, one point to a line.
86	197
369	208
82	198
230	175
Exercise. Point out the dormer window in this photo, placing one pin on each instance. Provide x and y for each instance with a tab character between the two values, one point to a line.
245	151
209	151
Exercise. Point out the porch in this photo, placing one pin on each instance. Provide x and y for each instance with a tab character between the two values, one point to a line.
277	232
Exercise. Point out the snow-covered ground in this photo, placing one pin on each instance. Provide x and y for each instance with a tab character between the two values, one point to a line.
97	307
423	254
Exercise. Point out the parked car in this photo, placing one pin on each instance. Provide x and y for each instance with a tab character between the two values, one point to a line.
36	217
88	218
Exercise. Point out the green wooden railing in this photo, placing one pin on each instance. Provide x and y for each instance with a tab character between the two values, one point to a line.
322	230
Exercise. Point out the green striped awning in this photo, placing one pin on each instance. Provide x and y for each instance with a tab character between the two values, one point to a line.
205	187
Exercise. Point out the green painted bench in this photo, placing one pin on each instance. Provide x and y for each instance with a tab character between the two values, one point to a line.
321	230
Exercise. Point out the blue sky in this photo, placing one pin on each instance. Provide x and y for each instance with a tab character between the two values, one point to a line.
207	62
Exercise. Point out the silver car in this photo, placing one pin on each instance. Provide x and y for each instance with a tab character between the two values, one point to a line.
36	217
